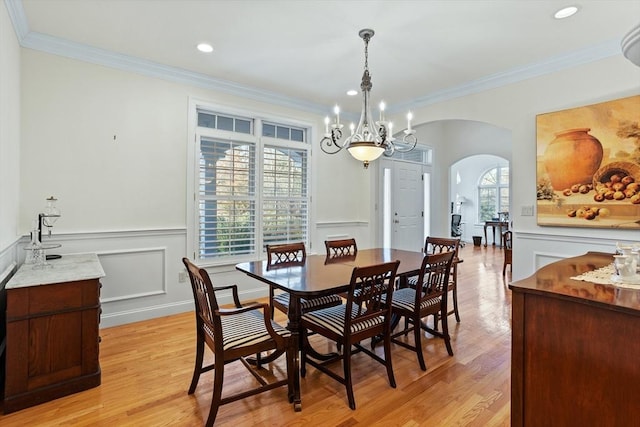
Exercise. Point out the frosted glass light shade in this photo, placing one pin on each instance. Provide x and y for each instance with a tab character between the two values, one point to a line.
365	151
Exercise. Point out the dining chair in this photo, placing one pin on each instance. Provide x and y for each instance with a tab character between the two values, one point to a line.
339	249
428	298
434	245
291	255
364	315
507	243
232	334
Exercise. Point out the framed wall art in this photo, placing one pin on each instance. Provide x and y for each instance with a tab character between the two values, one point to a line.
588	166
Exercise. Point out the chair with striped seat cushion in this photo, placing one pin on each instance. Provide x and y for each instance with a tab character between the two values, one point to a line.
364	315
291	255
233	334
434	245
415	303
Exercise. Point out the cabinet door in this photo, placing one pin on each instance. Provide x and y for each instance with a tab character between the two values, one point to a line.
55	349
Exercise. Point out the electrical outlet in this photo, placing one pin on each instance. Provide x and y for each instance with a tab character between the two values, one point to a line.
182	276
527	210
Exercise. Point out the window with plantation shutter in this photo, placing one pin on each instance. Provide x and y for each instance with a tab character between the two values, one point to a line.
284	195
251	186
227	198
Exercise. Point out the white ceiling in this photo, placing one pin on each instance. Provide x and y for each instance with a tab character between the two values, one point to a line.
309	50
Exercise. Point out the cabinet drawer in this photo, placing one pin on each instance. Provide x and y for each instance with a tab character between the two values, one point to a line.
44	299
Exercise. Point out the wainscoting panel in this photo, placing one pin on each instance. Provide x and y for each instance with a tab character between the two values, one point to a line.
532	251
332	230
145	277
142	271
125	271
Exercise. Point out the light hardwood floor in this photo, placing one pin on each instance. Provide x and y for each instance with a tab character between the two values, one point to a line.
147	366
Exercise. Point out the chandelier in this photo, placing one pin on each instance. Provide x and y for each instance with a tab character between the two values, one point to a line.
369	140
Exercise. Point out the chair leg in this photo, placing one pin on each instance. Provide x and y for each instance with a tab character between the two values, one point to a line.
197	368
504	268
218	377
387	358
348	383
417	337
445	331
455	302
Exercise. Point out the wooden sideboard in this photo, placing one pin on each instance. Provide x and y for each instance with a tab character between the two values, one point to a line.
576	348
53	317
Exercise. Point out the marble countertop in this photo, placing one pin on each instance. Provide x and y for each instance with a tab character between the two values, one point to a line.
69	268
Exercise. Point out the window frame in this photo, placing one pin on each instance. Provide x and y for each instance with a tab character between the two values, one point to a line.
192	202
498	188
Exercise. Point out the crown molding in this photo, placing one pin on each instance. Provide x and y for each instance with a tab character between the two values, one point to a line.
515	75
82	52
18	18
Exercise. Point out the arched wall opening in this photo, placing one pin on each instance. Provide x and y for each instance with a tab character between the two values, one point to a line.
453	141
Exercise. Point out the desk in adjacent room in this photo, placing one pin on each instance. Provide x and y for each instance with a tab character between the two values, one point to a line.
493	224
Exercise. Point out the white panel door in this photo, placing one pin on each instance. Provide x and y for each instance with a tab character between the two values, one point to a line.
407	207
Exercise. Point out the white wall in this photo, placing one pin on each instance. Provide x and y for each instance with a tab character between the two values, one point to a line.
126	199
514	107
9	139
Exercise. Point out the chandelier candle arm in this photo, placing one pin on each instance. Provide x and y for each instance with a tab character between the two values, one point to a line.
369	139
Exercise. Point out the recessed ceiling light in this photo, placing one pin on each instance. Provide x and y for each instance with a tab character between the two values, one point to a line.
352	92
565	12
205	47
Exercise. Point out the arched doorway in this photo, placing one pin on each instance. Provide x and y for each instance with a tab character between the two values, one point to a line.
478	191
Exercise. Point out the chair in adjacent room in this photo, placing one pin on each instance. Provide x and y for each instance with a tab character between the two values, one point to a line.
456	225
507	245
428	297
291	255
233	334
339	250
365	315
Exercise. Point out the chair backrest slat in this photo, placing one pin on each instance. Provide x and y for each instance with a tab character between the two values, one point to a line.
206	304
507	239
286	255
341	248
434	245
370	287
434	276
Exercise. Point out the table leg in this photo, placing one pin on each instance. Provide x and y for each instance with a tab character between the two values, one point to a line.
294	326
485	235
493	228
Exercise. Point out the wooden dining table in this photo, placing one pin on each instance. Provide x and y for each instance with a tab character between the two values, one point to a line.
321	276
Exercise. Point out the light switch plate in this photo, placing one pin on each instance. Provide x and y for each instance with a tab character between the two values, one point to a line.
527	210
